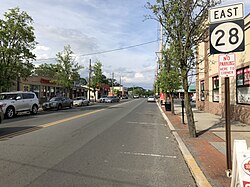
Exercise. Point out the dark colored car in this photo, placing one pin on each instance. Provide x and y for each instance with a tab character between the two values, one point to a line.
125	97
57	103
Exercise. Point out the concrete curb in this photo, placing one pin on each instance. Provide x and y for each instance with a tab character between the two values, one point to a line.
198	175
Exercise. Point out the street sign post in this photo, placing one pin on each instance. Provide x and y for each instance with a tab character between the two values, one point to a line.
226	36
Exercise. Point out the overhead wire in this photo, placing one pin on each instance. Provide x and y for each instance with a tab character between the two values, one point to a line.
107	51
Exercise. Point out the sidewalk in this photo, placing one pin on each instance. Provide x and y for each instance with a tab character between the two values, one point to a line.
209	148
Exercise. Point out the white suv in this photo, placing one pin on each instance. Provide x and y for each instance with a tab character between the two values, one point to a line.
14	102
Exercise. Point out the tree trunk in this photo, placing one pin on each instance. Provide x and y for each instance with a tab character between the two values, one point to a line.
188	108
172	102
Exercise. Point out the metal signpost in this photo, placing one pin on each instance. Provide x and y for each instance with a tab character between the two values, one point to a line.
227	36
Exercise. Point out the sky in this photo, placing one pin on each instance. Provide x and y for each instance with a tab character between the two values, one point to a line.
92	26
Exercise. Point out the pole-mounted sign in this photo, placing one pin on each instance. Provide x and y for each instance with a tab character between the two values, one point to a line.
227	29
227	36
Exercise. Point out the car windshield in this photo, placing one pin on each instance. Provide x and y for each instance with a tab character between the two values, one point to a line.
8	96
151	96
55	99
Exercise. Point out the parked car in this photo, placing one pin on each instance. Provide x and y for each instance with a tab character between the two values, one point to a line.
112	99
125	97
57	103
80	101
102	99
151	99
1	114
15	102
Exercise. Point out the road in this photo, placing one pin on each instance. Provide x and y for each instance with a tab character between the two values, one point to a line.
124	144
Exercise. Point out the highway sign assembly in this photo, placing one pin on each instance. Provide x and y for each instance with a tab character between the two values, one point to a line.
227	29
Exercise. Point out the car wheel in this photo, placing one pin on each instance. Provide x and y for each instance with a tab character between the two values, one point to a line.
10	112
59	107
34	109
87	103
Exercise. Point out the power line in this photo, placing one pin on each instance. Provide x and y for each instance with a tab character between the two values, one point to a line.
118	49
107	51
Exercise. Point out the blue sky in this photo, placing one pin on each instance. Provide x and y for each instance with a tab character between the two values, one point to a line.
90	26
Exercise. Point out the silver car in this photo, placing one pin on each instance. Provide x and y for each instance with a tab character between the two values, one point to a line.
57	103
80	101
112	99
14	102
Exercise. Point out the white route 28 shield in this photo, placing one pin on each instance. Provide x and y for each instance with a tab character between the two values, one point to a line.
227	37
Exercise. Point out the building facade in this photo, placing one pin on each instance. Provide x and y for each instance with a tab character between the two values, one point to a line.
210	89
45	88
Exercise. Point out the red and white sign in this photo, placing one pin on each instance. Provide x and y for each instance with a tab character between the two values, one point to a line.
227	65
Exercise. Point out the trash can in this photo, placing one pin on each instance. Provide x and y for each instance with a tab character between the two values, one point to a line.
168	106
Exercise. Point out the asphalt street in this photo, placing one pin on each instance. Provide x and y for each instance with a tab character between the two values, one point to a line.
123	144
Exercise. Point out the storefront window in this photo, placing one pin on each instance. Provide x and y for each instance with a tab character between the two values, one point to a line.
243	85
216	89
202	88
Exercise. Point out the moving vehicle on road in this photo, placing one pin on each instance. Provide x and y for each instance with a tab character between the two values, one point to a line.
112	99
15	102
57	103
80	101
151	99
136	96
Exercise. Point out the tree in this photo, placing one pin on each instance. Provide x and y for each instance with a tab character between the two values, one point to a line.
46	70
17	40
97	79
185	24
168	73
66	69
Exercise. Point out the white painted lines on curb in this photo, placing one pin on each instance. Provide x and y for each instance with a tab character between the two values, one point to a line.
198	175
148	154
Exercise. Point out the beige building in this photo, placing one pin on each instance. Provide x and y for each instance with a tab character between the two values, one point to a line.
210	86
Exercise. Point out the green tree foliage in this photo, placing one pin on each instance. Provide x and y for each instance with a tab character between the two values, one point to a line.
17	40
185	24
66	69
169	77
97	79
46	70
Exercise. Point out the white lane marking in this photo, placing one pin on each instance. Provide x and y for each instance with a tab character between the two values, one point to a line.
167	137
144	123
148	154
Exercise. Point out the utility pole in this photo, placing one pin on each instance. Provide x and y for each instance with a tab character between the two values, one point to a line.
90	70
112	79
